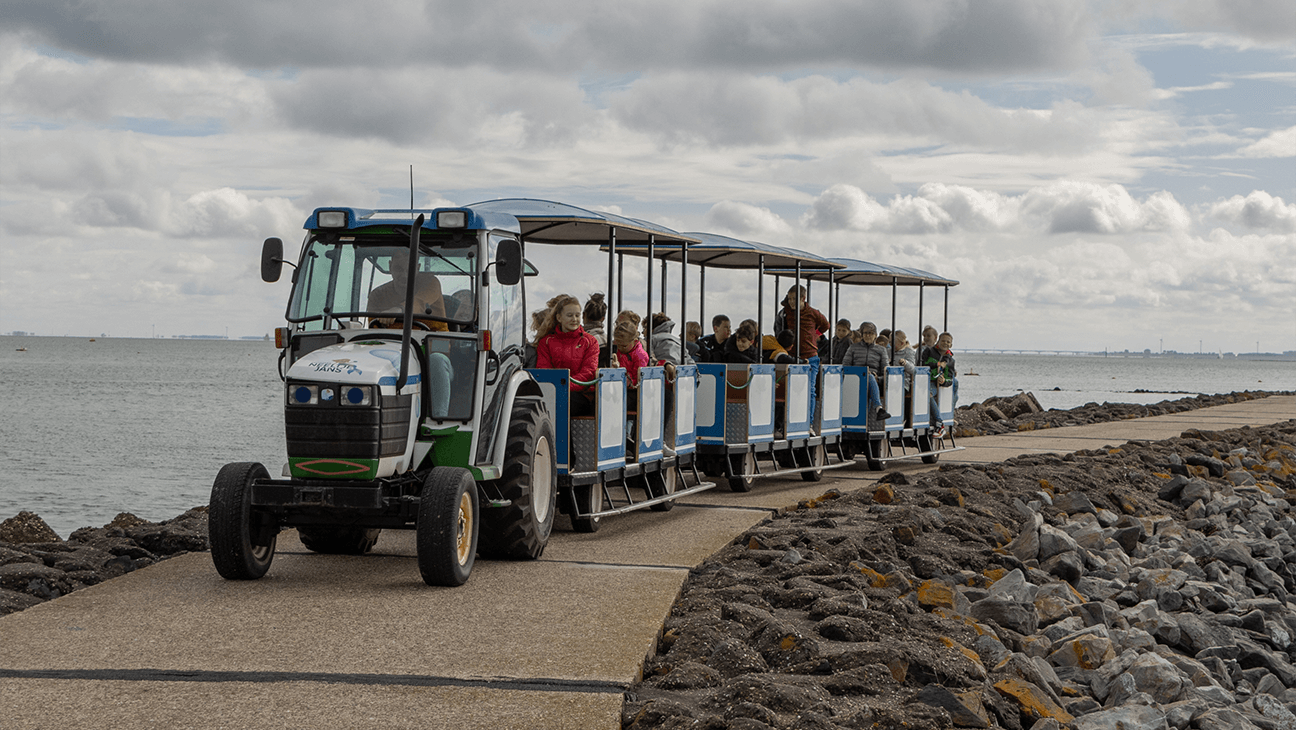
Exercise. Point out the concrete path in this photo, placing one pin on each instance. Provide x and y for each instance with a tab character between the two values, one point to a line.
357	642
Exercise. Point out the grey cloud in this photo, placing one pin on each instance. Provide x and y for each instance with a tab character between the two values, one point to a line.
1258	211
741	110
986	36
433	108
1262	20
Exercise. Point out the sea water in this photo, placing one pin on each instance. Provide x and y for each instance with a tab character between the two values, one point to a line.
91	428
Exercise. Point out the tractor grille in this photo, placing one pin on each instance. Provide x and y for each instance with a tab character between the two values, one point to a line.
332	431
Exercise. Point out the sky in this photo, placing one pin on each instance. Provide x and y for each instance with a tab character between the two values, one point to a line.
1095	174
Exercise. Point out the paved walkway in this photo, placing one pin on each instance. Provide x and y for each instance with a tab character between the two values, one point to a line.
356	642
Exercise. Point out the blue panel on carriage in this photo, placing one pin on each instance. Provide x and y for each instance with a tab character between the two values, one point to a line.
557	396
760	403
686	402
651	405
854	410
919	398
894	402
829	412
796	400
610	417
711	403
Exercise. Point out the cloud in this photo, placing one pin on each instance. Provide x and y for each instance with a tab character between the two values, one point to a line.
1262	20
1277	144
510	35
743	220
730	109
1062	207
1258	211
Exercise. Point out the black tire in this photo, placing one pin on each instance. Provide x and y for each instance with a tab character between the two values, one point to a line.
817	456
662	483
742	464
712	466
848	450
242	541
589	498
338	539
872	454
530	481
925	444
447	528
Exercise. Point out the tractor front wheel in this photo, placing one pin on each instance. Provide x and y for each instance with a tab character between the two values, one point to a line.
446	532
242	540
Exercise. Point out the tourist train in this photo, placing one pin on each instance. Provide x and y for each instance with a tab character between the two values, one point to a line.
433	422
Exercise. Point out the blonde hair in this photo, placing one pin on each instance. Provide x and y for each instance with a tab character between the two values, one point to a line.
555	307
625	332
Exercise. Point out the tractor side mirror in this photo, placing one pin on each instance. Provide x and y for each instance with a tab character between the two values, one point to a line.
508	262
271	260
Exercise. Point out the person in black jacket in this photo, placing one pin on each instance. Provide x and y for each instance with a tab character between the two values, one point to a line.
712	347
741	347
841	342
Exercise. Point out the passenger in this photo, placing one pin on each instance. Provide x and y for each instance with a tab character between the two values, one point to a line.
904	356
884	342
630	352
941	362
867	354
565	344
711	347
692	331
390	297
840	343
529	352
665	345
741	347
812	321
775	349
928	341
594	316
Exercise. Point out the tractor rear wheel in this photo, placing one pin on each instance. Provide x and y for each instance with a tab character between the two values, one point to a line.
530	481
242	540
446	532
338	539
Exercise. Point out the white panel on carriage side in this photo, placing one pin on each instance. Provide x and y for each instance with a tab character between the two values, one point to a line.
850	395
945	397
798	398
760	399
611	413
895	393
831	398
650	415
921	397
706	400
549	393
684	413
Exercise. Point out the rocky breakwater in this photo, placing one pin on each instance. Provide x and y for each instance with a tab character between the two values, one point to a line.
1022	412
36	565
1145	586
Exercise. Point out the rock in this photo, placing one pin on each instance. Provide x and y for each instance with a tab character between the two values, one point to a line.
690	675
733	658
1030	700
1158	677
1085	652
1194	490
965	709
1171	489
1075	503
1053	541
1221	719
1128	538
1016	615
1067	566
1213	465
1135	717
27	528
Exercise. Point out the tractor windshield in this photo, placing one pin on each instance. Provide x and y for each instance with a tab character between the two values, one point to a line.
362	278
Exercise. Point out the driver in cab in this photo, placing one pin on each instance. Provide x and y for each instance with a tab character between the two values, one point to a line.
390	297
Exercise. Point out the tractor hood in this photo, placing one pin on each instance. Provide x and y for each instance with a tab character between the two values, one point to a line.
360	362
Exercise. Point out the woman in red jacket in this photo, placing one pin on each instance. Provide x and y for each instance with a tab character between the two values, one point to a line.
564	344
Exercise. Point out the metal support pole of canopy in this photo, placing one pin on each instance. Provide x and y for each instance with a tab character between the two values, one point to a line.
832	317
945	323
663	285
777	286
684	295
701	295
620	277
796	331
612	257
760	295
895	289
648	308
920	309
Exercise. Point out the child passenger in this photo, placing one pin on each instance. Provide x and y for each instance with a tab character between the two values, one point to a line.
594	316
840	343
564	344
866	353
630	352
740	347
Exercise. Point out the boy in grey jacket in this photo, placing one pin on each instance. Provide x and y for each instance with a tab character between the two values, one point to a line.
867	353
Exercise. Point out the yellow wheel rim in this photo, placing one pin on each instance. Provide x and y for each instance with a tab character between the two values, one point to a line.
463	541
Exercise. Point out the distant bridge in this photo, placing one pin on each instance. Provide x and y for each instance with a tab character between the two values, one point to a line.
1018	351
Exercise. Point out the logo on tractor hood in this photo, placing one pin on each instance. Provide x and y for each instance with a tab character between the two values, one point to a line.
351	362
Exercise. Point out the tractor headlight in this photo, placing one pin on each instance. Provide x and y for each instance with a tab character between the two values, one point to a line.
303	395
355	395
331	219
